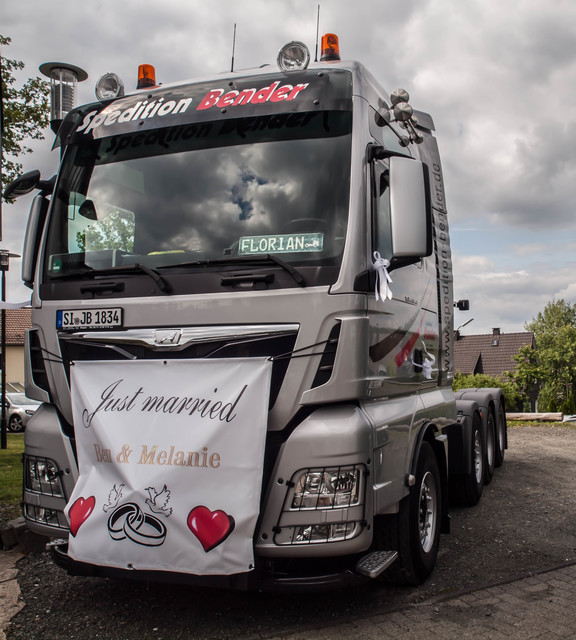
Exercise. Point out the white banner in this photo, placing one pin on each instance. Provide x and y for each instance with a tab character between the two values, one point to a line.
15	305
170	456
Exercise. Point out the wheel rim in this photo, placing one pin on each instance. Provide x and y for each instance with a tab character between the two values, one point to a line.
428	512
478	467
15	424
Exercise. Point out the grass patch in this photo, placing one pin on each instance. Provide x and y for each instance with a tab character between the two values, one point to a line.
11	477
548	424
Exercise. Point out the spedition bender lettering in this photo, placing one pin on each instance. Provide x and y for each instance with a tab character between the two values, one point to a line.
219	98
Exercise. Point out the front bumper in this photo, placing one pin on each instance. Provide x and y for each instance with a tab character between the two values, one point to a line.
308	576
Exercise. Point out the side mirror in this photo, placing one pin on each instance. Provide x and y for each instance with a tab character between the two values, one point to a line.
410	210
462	305
26	183
88	210
22	185
32	238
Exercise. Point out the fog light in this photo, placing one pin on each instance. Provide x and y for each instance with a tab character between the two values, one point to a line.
293	56
49	517
306	534
109	86
324	533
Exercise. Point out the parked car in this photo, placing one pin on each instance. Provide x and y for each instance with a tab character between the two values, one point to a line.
19	408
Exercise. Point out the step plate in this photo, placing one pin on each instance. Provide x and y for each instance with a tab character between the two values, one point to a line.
376	563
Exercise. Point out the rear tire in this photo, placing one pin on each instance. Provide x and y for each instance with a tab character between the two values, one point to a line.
500	435
415	531
490	453
466	489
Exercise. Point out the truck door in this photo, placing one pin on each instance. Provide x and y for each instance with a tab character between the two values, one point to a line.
403	328
403	348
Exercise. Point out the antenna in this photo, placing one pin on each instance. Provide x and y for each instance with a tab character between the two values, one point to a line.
317	33
233	49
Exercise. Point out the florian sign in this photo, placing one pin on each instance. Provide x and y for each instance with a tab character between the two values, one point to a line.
170	460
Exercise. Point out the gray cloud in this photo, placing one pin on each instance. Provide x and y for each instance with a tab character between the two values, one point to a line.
498	78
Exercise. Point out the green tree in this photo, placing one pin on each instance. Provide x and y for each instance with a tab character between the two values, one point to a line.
25	113
555	366
116	231
526	375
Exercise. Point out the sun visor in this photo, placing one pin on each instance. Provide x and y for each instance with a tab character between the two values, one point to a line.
251	96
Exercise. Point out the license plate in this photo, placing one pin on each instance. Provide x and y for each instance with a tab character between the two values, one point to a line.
89	318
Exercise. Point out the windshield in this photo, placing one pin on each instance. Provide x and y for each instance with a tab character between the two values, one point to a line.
204	192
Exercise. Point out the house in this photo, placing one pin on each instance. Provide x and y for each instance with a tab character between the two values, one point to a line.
491	354
17	321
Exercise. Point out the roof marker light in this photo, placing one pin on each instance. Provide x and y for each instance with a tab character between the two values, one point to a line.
146	76
109	86
330	47
293	56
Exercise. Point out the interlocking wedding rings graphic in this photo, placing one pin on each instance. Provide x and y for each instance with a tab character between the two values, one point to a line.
129	521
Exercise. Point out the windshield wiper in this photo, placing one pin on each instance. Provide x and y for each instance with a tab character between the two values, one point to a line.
161	282
248	260
136	267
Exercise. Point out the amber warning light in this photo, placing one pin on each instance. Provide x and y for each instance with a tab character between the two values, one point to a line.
146	76
330	47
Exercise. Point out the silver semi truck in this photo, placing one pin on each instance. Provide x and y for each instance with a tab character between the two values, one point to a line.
242	334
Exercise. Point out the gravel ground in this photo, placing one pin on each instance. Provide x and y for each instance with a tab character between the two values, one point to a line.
523	524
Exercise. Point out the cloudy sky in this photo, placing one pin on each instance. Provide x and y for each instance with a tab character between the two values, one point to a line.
498	77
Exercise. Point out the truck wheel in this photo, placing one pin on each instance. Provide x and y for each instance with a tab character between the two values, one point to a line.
500	435
415	531
490	453
466	489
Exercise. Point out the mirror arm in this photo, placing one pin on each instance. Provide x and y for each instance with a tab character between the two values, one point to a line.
377	152
46	187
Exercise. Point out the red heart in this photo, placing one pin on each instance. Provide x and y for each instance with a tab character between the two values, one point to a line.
79	512
210	527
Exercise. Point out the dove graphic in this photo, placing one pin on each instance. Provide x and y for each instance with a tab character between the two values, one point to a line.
113	497
158	500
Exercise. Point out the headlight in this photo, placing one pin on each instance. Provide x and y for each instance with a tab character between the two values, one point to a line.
327	488
42	475
293	56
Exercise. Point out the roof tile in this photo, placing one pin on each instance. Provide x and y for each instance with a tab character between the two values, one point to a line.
17	321
491	354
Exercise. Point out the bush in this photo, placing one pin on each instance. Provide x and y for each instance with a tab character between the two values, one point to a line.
512	396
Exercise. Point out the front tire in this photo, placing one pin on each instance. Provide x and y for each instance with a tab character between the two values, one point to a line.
415	531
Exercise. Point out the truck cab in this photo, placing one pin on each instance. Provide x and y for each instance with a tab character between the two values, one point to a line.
284	230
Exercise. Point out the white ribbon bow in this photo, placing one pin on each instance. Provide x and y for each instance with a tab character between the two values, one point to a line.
427	365
15	305
383	279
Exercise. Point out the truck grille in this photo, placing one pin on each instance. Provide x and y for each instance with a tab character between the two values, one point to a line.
81	347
